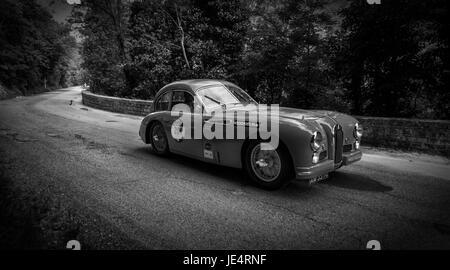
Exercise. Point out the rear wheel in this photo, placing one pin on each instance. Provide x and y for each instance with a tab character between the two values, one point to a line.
158	139
269	169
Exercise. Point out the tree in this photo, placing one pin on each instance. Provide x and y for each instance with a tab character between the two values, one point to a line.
103	25
33	47
286	57
172	40
397	58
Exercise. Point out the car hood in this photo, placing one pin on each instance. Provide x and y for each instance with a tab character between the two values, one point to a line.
314	114
309	118
289	113
299	114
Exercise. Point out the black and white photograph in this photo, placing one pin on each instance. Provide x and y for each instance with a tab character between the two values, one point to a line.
238	126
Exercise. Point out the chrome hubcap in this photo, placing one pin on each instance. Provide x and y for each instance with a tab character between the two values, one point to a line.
266	164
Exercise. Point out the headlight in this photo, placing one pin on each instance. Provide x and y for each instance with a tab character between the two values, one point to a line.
316	141
358	131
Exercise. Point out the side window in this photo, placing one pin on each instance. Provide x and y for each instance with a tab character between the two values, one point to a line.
163	103
183	97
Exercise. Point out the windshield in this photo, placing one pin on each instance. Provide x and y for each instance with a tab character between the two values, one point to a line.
219	95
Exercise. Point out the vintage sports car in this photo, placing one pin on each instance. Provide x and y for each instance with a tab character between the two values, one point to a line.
311	143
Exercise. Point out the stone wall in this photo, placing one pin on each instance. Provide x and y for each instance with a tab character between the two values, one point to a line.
410	134
431	136
115	104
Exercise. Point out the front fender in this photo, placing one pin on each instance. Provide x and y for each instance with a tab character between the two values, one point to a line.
296	135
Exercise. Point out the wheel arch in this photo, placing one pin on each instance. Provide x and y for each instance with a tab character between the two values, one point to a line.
147	129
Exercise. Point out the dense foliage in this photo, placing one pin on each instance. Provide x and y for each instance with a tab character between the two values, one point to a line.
287	58
174	40
395	59
35	51
380	60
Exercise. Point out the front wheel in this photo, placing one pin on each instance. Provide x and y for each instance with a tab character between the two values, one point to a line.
269	169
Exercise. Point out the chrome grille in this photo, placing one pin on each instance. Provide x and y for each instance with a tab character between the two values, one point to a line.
329	132
338	142
348	148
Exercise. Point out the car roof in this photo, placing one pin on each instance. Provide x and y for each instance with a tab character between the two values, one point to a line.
192	85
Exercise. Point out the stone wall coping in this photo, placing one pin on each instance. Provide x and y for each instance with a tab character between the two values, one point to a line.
412	134
87	92
402	119
356	116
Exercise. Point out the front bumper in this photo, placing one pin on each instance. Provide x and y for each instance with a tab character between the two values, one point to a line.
349	158
326	166
315	170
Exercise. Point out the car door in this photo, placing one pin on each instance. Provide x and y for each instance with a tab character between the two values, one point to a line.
162	107
187	146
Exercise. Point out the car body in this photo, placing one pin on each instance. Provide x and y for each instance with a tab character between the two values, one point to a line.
312	143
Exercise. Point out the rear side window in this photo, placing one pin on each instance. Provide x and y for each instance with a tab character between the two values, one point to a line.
162	104
183	97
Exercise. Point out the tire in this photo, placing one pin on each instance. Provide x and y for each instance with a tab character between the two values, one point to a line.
158	139
272	172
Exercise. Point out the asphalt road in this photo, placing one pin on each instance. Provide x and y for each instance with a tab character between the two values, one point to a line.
94	162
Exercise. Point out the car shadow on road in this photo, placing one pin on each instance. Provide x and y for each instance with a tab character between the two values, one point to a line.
230	175
356	181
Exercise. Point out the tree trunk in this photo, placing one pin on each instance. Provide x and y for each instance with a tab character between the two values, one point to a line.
182	39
